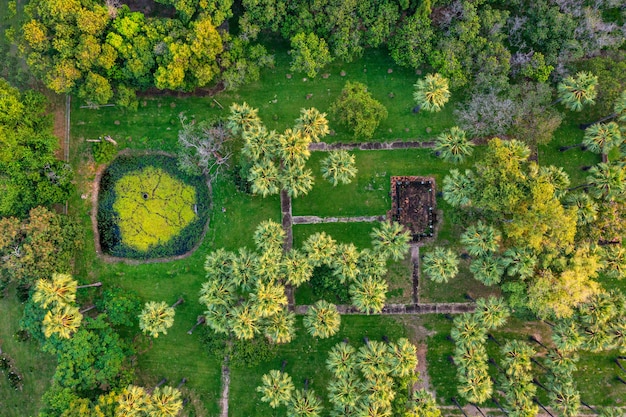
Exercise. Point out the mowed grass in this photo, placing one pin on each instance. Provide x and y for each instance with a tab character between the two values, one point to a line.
306	359
35	366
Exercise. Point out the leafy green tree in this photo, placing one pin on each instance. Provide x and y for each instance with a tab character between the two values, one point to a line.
403	358
519	262
412	43
280	327
358	110
432	92
601	138
122	306
309	54
391	239
575	92
62	320
368	294
453	146
440	264
339	167
244	321
458	189
423	405
481	239
322	320
277	388
607	181
342	360
156	318
304	404
374	359
268	299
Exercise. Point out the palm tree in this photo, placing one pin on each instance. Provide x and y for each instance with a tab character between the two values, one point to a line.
458	189
320	248
380	390
432	92
492	312
441	264
565	398
391	239
322	320
586	208
453	146
607	181
369	294
557	177
218	293
345	392
312	123
269	236
264	177
242	118
372	263
476	387
368	408
59	291
468	331
296	268
244	322
243	269
280	327
566	336
520	262
268	299
345	263
293	147
277	388
339	167
219	265
422	405
619	111
219	318
614	261
601	138
304	404
487	269
156	317
296	180
341	360
481	239
374	359
165	402
578	91
403	358
258	143
62	320
133	401
516	359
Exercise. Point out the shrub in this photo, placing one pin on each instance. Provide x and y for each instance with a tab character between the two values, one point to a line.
327	286
103	151
358	110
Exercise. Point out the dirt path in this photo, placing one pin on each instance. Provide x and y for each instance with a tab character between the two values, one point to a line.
415	260
370	146
405	309
225	388
316	219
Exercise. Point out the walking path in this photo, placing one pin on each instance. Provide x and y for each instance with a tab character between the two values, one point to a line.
415	259
225	387
316	219
402	309
371	146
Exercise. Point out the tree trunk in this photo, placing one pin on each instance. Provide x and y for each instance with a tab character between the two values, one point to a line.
567	148
619	364
576	188
178	302
494	363
160	383
536	400
95	284
201	320
540	385
620	379
479	410
534	339
589	407
181	383
282	367
605	158
497	403
584	126
536	362
86	309
458	405
492	338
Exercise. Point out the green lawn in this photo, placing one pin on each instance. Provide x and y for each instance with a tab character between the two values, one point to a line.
35	366
306	358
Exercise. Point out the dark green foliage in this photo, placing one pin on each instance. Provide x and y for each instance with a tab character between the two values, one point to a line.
358	110
215	343
611	73
30	174
31	321
121	306
56	400
250	353
109	231
103	151
412	42
328	286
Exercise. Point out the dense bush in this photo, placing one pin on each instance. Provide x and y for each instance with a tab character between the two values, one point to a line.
358	110
103	151
327	286
108	226
251	352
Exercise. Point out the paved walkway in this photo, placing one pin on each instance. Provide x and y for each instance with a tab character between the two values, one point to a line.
316	219
399	309
371	146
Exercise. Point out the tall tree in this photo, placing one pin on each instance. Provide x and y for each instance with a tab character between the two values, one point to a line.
309	54
481	239
607	181
277	388
322	320
156	318
133	401
61	290
368	294
342	360
304	404
358	110
601	138
339	167
440	264
391	239
165	402
62	320
453	146
577	91
432	92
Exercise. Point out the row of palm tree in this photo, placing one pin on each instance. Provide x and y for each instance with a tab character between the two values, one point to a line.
136	401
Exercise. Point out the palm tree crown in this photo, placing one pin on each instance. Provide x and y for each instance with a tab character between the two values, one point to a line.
339	167
62	320
61	290
165	402
312	123
432	92
156	318
601	138
277	388
391	239
453	146
322	320
441	264
577	91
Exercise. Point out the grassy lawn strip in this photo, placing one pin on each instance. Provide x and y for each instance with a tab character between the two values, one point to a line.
306	359
35	366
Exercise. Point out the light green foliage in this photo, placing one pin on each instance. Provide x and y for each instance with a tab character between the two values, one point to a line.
492	312
304	404
277	388
62	320
103	151
152	207
358	110
453	146
339	167
432	92
481	239
322	320
309	54
391	240
440	264
575	92
156	318
368	294
601	138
